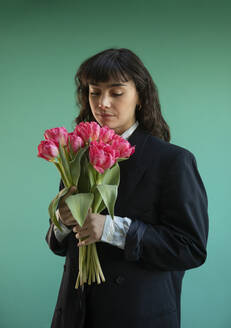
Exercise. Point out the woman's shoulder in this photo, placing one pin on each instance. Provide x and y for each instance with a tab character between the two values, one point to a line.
166	150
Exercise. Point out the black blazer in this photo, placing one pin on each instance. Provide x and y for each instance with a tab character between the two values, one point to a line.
162	192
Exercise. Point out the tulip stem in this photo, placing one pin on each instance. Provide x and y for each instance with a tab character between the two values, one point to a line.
63	176
65	179
97	262
99	178
66	152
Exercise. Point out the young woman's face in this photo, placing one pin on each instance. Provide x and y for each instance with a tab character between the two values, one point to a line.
113	104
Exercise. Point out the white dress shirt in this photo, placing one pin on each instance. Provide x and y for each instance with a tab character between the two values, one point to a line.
114	231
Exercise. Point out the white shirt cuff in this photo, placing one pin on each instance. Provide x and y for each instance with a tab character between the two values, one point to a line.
115	231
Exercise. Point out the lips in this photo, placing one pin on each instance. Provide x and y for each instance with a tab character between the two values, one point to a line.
105	115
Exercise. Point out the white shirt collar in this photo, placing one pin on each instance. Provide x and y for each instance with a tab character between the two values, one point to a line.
129	131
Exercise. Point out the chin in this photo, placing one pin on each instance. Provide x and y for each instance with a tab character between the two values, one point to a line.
105	123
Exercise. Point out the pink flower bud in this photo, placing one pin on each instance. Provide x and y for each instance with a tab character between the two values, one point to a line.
122	147
57	135
95	131
102	156
75	141
106	134
48	150
88	131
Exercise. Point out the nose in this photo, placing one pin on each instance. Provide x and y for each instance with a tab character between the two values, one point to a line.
104	102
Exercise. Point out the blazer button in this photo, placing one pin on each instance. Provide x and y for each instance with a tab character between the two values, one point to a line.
119	280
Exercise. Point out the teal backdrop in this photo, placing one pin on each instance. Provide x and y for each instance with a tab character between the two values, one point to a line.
186	47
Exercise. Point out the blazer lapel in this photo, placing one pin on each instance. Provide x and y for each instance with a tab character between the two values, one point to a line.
132	169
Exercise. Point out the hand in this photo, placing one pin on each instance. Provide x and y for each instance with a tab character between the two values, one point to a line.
92	229
65	214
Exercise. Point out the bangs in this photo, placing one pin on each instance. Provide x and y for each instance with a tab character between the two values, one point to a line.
104	69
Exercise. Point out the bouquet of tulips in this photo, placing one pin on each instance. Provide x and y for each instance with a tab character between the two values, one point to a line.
88	159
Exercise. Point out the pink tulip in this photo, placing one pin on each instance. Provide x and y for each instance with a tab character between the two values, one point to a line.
48	150
75	141
122	147
95	131
102	156
88	131
106	135
57	135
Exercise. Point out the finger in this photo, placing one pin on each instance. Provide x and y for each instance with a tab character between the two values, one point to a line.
66	215
77	228
85	242
64	209
82	234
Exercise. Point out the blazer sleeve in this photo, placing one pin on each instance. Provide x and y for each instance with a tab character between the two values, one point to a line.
178	241
57	247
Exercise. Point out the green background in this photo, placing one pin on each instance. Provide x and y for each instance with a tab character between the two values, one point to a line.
186	47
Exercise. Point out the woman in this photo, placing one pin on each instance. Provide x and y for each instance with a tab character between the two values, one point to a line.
161	224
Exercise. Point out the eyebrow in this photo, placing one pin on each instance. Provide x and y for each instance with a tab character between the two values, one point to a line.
111	85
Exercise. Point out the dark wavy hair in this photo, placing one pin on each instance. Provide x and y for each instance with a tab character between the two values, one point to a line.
121	65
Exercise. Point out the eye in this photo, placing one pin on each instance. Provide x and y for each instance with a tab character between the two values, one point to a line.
114	94
94	93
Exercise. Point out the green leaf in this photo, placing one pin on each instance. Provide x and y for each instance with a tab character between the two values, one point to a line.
79	205
109	195
112	175
75	167
101	207
65	164
92	174
97	200
53	206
